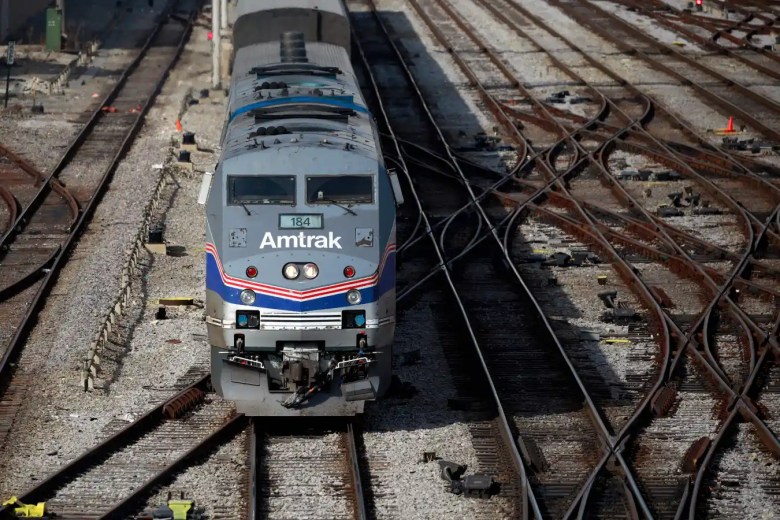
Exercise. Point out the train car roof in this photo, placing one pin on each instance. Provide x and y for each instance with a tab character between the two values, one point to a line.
263	54
328	6
259	21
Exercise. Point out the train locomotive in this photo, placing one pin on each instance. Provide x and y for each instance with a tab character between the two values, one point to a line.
300	238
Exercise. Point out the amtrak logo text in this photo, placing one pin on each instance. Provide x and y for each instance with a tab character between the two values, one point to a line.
300	241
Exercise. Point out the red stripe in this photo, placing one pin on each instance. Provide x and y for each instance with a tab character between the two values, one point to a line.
308	294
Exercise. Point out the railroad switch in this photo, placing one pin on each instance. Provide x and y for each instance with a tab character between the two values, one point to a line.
480	485
22	510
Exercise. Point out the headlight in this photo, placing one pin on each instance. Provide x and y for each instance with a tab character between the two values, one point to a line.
247	297
310	271
354	297
290	271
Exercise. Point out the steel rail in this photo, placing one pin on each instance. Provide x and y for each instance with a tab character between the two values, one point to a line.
762	229
524	13
23	329
770	18
129	505
709	43
762	430
94	456
354	470
253	483
344	425
466	30
77	141
760	424
725	6
11	203
528	499
671	51
516	6
595	412
647	294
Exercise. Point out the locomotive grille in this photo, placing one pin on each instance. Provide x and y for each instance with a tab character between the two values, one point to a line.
330	320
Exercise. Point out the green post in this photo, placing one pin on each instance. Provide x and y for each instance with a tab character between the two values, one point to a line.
53	29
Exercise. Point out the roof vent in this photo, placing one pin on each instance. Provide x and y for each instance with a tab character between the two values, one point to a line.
292	47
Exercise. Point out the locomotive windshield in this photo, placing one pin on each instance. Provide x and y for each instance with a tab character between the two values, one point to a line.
341	188
266	189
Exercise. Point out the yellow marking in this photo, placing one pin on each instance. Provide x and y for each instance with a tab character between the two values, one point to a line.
176	300
616	340
26	510
180	508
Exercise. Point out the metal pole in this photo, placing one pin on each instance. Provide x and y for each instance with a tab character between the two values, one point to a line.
7	84
61	7
10	55
224	16
216	41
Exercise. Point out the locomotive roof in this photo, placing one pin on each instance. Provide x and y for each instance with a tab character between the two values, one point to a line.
316	106
245	7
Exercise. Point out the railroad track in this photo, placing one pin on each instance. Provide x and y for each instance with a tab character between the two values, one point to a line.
114	478
708	382
707	316
48	212
704	397
426	262
721	40
305	469
727	92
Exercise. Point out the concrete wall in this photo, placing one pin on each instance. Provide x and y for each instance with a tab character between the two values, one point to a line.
14	14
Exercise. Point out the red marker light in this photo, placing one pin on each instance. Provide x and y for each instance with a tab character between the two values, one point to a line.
251	271
349	271
699	2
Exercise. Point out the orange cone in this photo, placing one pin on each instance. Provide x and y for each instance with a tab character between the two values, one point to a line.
730	127
178	126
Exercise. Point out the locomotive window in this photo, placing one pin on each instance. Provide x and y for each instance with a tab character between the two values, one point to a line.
266	189
341	188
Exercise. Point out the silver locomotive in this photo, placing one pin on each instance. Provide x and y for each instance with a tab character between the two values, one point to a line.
300	239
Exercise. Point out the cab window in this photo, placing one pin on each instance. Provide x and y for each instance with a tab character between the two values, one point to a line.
345	189
261	189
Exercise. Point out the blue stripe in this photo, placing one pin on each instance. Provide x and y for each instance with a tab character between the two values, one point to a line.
326	100
335	301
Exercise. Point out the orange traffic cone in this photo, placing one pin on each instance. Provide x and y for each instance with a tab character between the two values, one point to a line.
730	126
178	126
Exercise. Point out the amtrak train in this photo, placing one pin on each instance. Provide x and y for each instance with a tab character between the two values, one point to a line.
300	238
